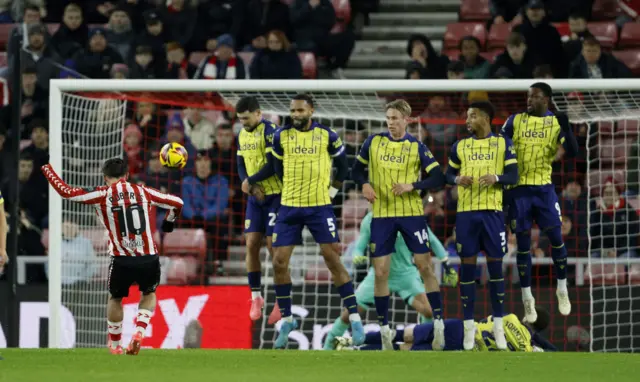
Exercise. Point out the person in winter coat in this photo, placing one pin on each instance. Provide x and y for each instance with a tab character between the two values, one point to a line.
96	59
424	59
73	34
515	58
223	64
277	61
593	63
475	66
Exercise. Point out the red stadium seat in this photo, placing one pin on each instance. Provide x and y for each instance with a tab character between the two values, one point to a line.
605	128
630	36
455	32
196	57
613	150
5	35
498	36
475	10
309	65
185	241
628	128
604	10
608	274
634	274
605	32
52	28
3	59
631	58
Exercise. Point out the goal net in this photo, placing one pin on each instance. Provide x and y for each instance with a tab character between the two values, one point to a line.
93	120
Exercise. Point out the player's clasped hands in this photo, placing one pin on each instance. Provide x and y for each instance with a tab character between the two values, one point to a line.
399	188
487	180
368	192
465	181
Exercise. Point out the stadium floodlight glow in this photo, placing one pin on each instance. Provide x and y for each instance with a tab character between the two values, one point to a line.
87	118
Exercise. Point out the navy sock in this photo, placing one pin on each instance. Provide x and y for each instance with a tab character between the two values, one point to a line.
255	282
436	304
558	252
523	259
283	296
382	309
348	297
399	335
468	289
496	287
373	338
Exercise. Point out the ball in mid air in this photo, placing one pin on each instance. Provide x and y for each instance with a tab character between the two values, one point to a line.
173	155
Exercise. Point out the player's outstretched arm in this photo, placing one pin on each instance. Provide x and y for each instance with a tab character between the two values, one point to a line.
172	204
74	194
567	139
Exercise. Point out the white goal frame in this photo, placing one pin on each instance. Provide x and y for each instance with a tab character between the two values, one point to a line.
58	86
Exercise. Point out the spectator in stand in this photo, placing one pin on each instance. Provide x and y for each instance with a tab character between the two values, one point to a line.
39	147
35	100
98	11
614	224
73	34
312	22
353	138
223	64
206	201
261	17
144	65
543	39
178	67
33	194
79	260
543	72
159	177
136	10
175	134
30	244
153	35
199	129
96	59
593	63
223	152
151	121
515	58
424	59
277	60
507	11
31	15
180	19
579	31
215	18
443	134
455	70
41	54
559	11
133	150
120	34
475	66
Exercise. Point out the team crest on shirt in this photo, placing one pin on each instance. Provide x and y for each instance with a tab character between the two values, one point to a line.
274	236
493	143
247	223
548	122
317	137
257	134
406	149
513	224
458	247
372	247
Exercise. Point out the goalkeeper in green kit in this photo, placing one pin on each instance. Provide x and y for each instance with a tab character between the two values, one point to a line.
404	279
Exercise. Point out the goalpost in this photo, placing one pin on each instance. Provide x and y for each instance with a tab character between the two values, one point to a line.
87	119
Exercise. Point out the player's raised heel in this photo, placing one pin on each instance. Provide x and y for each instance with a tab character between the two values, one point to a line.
530	310
498	335
438	335
256	308
283	334
135	344
357	333
564	305
469	339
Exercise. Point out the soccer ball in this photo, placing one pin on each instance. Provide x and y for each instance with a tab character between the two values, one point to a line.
173	155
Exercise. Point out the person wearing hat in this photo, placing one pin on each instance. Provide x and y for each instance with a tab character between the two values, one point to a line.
223	64
153	34
120	34
542	39
96	59
144	64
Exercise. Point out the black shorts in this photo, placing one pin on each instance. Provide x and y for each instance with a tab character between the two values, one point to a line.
126	271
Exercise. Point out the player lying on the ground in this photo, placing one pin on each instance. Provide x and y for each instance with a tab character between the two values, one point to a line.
124	209
536	135
481	166
304	154
397	162
521	336
404	279
259	181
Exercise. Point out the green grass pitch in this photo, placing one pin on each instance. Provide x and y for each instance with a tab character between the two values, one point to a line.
97	365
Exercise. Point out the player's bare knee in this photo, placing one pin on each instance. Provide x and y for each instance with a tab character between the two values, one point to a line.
280	263
381	272
424	264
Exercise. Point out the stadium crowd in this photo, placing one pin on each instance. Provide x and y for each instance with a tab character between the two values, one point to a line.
265	39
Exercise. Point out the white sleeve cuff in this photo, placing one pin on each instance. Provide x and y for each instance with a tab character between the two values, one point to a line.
333	192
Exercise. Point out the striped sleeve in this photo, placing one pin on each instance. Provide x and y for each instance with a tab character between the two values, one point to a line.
269	132
74	194
336	147
276	148
426	158
454	161
363	155
169	202
510	152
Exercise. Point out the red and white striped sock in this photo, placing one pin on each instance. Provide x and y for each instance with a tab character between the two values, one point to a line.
142	321
115	333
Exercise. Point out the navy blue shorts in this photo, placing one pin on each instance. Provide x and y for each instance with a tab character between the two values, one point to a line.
481	231
261	216
533	203
453	335
384	232
321	222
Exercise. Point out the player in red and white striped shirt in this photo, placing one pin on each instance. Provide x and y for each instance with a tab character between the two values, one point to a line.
125	210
